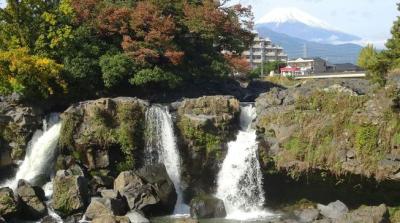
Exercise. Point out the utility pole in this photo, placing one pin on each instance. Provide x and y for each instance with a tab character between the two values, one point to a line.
305	53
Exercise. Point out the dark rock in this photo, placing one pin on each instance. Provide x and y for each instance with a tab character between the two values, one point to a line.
70	192
31	200
75	218
8	203
365	214
105	206
157	176
2	220
137	193
333	210
207	207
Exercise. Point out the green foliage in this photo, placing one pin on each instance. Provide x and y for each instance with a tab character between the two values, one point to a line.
116	69
202	139
155	76
367	56
366	141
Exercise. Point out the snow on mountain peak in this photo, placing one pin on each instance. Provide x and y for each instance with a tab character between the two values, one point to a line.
282	15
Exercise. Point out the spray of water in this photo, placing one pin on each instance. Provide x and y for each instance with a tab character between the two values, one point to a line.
240	183
40	154
162	147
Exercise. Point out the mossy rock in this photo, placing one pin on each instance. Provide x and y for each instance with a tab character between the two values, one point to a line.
112	127
70	193
332	128
8	203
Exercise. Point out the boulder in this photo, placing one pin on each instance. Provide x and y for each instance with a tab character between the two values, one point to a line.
137	192
366	214
70	193
106	206
157	176
91	133
18	122
111	219
8	203
31	200
136	217
333	210
148	189
49	219
307	215
207	207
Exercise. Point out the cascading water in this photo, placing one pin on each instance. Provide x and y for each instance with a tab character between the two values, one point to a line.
161	147
240	178
40	154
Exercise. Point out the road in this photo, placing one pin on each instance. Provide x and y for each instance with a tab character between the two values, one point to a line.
325	76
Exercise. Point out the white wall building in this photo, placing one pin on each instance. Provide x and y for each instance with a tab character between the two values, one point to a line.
262	51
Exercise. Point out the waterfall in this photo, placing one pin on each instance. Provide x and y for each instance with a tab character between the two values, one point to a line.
240	179
161	147
40	154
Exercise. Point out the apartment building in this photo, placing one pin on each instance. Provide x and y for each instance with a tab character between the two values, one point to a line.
262	51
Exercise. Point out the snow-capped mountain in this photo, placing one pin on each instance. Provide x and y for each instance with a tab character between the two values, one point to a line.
299	24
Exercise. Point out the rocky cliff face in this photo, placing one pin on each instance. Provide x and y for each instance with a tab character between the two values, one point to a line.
18	122
337	132
205	125
105	136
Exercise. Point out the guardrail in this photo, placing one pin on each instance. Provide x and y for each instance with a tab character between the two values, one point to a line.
325	76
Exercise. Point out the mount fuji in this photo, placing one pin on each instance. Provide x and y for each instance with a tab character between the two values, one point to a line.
299	24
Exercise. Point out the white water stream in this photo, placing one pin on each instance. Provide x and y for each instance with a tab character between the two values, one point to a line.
161	147
240	183
40	154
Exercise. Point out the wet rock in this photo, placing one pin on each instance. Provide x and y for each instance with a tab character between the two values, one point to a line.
137	217
2	220
49	219
205	125
307	215
111	219
186	220
70	192
207	207
106	206
365	214
75	218
333	210
31	200
8	203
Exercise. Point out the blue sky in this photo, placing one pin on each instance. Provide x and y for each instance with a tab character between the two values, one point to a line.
369	19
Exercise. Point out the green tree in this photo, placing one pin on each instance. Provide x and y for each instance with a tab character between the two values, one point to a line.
116	69
367	57
392	54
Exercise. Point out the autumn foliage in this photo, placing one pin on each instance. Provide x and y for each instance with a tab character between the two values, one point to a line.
164	41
